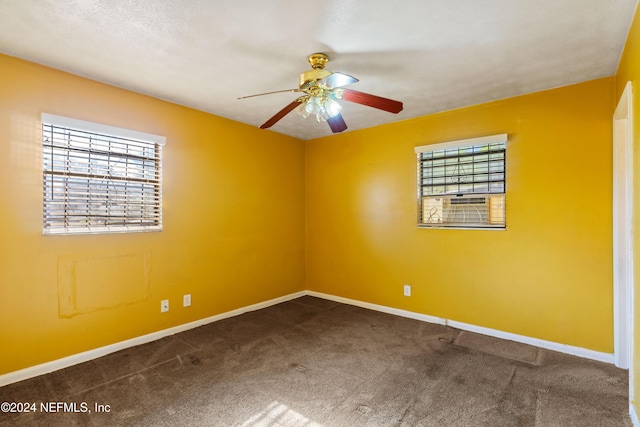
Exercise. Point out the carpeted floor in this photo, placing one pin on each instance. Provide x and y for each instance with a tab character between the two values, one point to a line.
313	362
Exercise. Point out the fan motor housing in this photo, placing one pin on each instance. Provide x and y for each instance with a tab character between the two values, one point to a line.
313	75
317	62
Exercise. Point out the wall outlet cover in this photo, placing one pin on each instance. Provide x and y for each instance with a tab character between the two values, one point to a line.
407	290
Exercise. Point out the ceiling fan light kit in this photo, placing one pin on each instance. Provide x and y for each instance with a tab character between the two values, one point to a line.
322	104
322	88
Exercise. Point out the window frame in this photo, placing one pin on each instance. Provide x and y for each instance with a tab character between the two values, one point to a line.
484	140
102	131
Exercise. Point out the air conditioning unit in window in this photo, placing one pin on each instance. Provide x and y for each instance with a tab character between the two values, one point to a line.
467	210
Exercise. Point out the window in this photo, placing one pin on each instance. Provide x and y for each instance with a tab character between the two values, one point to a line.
461	184
99	179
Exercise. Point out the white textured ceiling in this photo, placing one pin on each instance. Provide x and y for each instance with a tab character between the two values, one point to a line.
433	55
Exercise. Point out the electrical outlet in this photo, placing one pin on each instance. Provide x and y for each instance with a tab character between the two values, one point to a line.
407	290
164	306
186	300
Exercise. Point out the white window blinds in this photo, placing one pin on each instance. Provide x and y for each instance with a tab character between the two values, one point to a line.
99	179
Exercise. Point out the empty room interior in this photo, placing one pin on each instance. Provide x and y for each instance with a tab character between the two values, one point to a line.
435	224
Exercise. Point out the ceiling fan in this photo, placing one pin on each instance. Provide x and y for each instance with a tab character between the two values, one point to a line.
322	88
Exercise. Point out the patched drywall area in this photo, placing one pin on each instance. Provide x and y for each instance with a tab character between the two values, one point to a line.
101	281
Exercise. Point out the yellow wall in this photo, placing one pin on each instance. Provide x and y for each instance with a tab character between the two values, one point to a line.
629	70
233	222
548	275
249	214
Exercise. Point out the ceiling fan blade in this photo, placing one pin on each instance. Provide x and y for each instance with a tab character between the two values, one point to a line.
336	123
374	101
337	80
280	114
269	93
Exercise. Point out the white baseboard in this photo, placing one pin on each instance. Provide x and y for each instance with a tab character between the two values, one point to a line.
382	308
634	415
75	359
549	345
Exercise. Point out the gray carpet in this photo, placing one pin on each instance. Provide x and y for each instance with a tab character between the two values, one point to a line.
313	362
